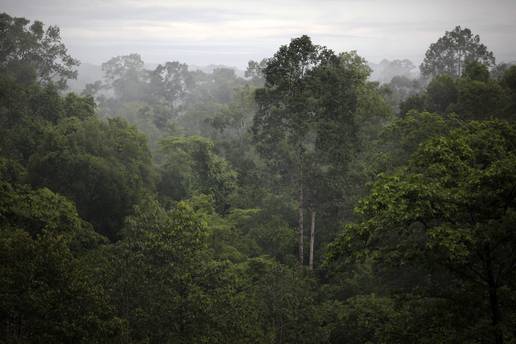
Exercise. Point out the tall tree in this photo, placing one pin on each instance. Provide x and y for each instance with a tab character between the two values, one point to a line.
336	89
282	123
306	123
31	52
451	52
126	76
170	83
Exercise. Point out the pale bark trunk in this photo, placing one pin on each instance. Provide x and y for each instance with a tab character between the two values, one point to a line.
312	239
301	223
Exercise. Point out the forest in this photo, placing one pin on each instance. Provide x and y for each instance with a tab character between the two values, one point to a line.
301	202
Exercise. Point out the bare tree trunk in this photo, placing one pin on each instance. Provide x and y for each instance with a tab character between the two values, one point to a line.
301	222
312	239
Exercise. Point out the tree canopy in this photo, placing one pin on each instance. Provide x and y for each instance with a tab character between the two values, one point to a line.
450	54
29	52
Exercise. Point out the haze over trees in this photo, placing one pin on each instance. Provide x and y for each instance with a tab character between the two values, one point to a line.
299	203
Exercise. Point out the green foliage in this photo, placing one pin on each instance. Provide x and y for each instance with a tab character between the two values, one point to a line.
476	71
46	297
191	166
401	91
365	319
451	207
509	81
275	239
103	166
473	96
165	285
203	239
124	74
287	303
314	111
509	78
451	53
480	100
254	71
403	136
441	93
28	112
414	102
285	104
31	53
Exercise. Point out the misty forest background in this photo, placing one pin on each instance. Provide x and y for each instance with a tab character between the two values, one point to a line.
308	199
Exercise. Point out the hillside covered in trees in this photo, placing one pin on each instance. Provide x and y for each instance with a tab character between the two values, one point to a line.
299	203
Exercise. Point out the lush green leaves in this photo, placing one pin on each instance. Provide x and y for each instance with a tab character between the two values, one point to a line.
451	207
31	53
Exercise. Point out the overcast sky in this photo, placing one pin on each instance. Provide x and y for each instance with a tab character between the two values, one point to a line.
231	32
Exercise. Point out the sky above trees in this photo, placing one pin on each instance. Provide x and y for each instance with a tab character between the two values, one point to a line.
232	32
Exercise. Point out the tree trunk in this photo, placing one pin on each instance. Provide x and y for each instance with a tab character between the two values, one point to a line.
496	314
301	222
312	238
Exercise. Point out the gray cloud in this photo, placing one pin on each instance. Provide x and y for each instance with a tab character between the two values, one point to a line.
232	32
